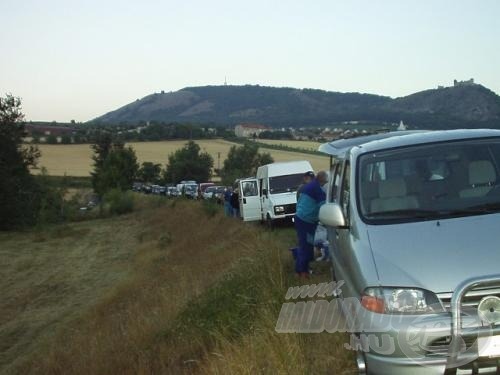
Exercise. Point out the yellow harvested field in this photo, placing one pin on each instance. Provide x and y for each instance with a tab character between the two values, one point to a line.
307	145
75	160
318	162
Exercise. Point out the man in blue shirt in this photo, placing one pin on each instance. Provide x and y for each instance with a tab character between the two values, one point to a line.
228	209
306	220
308	177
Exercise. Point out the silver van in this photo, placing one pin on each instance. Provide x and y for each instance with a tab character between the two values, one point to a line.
414	223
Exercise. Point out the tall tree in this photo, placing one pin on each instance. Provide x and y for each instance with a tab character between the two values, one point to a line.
149	172
118	171
188	163
115	166
19	192
102	147
243	161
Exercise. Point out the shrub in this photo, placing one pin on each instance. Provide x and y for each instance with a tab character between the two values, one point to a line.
119	202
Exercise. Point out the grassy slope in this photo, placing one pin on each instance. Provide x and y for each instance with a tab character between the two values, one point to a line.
167	289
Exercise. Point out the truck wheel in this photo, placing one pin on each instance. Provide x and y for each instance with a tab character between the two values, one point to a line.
269	223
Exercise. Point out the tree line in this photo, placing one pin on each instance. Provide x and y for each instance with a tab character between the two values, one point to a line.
140	132
28	200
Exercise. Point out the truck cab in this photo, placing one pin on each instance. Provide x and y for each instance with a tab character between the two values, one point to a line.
272	194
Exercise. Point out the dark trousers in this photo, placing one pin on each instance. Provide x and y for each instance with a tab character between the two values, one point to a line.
305	251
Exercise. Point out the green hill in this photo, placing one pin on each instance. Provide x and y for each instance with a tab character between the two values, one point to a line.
461	106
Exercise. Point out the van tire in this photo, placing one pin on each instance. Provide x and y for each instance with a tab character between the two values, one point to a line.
269	222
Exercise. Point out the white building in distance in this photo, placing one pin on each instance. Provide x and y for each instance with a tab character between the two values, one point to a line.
402	126
249	130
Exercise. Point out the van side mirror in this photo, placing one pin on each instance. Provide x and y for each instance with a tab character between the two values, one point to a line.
330	214
264	192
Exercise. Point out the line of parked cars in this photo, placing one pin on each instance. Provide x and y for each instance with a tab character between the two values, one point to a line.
189	189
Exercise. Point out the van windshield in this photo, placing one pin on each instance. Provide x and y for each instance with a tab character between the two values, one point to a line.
284	184
424	182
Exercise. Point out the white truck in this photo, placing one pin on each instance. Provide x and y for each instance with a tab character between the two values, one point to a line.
272	194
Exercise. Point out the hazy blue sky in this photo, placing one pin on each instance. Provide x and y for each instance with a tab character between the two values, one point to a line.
79	59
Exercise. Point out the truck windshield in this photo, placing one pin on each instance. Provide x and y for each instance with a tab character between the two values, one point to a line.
425	182
284	184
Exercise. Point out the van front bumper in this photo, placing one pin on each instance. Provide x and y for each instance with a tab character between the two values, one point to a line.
441	343
384	365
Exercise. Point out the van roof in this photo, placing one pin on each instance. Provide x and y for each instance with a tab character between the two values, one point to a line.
287	167
340	148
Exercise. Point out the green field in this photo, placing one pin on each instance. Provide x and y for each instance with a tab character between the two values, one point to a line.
306	145
75	160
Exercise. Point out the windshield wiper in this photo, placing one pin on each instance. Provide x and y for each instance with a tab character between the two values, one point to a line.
407	213
483	208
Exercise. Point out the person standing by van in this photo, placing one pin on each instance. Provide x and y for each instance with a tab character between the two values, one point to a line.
235	203
306	221
308	177
228	209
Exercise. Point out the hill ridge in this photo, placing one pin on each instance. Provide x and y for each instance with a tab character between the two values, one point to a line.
457	106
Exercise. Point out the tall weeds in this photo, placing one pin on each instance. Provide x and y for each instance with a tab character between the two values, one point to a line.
203	296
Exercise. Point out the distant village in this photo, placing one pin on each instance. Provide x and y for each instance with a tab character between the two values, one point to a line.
347	129
67	134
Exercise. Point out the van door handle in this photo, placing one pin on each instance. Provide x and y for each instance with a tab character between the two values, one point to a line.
244	201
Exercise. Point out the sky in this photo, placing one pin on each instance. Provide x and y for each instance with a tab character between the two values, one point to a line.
76	60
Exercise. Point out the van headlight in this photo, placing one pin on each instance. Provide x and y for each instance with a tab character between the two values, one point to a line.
401	301
279	209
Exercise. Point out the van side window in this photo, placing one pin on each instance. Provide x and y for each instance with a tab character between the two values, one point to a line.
344	193
249	188
335	172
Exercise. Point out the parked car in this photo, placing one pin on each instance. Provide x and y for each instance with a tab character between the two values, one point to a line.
137	186
172	191
181	184
272	194
413	221
158	189
147	189
214	192
190	191
209	192
202	187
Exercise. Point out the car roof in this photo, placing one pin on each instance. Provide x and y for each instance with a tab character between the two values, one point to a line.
340	148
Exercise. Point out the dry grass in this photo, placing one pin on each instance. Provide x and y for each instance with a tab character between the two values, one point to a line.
75	160
163	290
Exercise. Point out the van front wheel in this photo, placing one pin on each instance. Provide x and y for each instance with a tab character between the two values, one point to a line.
269	222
